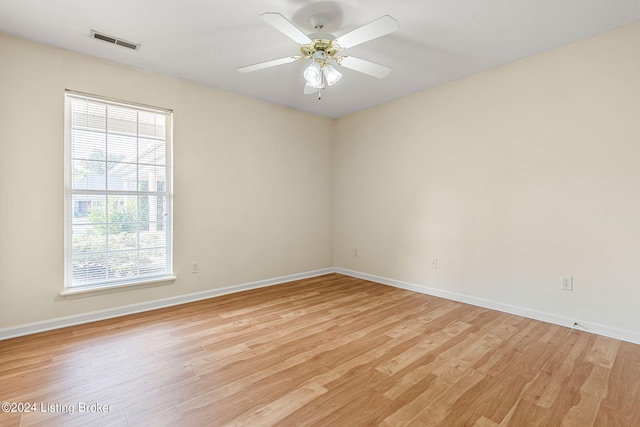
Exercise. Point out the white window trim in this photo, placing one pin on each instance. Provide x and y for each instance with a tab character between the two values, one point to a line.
138	281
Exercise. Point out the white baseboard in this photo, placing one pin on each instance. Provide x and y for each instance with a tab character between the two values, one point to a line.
583	325
63	322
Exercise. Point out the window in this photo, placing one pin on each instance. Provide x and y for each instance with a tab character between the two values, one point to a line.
118	212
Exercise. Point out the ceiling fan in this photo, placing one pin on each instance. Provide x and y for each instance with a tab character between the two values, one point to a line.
322	48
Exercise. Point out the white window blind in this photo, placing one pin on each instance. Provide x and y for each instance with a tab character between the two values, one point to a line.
118	216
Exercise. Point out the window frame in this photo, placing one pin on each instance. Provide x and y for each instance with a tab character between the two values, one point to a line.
138	280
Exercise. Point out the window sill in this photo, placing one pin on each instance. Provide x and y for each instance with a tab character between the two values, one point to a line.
116	287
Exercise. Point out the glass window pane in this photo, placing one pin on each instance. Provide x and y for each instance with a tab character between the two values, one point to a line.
81	205
144	210
122	148
122	176
151	124
151	175
152	261
89	238
88	145
123	211
88	175
122	120
123	236
88	209
88	268
88	115
123	264
154	237
152	151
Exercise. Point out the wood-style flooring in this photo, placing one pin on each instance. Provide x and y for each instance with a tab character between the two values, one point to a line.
327	351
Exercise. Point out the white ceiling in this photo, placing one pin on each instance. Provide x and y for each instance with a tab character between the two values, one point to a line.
205	41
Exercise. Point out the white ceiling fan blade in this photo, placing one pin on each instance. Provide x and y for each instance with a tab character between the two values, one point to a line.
285	26
378	28
267	64
366	67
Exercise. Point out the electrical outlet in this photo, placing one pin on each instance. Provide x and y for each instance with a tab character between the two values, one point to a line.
195	268
355	252
434	263
566	283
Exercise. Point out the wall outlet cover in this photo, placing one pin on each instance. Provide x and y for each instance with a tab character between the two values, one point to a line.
566	283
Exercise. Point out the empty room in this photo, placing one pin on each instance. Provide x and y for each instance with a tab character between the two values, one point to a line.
330	213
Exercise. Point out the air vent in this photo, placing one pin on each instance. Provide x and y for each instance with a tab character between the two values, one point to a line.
115	40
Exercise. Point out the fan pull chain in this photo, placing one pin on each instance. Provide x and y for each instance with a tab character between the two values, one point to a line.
321	84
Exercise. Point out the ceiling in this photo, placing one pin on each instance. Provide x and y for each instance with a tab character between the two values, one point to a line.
205	41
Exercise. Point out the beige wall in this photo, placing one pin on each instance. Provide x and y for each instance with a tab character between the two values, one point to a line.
253	188
510	178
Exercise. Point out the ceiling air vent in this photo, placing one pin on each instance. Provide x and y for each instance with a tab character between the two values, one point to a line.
115	40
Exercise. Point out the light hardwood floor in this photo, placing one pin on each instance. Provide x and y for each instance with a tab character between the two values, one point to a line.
329	351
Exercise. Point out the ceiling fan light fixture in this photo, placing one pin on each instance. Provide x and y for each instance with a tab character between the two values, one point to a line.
331	74
313	76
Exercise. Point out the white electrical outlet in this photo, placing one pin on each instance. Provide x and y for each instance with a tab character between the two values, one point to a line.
195	268
566	283
434	263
